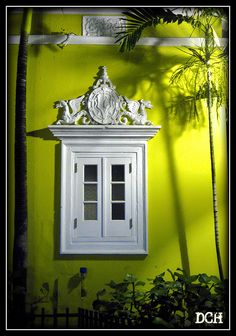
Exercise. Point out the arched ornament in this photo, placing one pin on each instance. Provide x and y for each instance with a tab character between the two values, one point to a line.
102	105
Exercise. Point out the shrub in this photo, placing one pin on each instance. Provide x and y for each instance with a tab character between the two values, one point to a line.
165	303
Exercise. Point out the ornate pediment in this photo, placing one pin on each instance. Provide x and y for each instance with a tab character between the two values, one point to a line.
102	105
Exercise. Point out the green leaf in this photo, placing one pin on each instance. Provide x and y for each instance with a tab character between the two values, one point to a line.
193	278
140	283
177	284
204	292
159	291
215	279
180	276
182	270
204	278
112	284
171	273
160	321
130	277
121	287
101	292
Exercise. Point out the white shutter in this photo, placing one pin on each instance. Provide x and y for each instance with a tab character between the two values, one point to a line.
87	206
117	197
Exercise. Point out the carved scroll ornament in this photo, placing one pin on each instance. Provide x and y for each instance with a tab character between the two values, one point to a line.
102	25
102	105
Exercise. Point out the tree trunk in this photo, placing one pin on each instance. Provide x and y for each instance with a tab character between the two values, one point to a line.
213	175
20	221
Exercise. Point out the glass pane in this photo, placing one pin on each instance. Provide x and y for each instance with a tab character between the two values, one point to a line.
90	192
118	211
90	211
118	172
118	192
90	173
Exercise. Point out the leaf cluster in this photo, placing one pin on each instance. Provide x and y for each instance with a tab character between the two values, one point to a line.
191	76
137	19
163	303
47	295
210	56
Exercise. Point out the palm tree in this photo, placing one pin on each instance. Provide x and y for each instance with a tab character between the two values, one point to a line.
208	68
20	222
203	64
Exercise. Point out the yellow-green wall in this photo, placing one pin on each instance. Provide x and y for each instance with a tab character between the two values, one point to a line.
180	226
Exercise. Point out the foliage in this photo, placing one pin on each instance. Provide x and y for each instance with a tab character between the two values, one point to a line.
140	18
211	58
189	82
207	68
45	296
194	69
51	295
164	303
203	76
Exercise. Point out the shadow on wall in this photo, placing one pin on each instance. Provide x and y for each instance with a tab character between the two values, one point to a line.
40	28
43	133
157	68
174	108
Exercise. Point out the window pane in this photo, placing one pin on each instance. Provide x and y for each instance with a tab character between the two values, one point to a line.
118	172
118	211
118	192
90	211
90	192
90	173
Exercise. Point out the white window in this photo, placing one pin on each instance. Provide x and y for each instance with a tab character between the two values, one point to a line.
104	189
102	197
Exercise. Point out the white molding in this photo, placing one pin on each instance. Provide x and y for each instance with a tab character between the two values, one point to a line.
103	132
101	40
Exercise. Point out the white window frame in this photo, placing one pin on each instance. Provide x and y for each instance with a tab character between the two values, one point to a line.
104	145
101	228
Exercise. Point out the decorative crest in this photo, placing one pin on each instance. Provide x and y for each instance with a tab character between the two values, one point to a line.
102	105
102	25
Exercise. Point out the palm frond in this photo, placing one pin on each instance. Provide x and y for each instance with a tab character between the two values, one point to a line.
138	19
182	69
141	14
